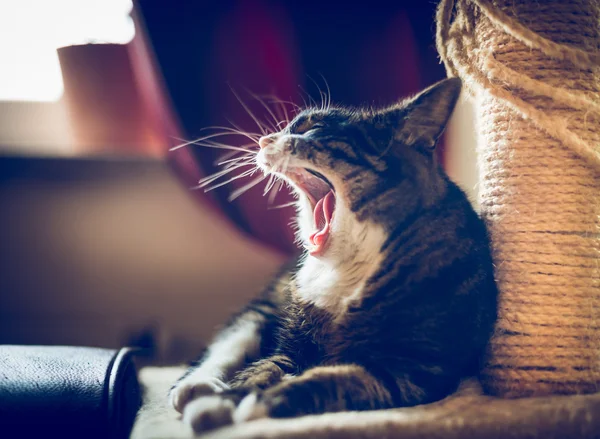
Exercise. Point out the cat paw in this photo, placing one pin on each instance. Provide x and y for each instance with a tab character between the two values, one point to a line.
250	408
209	412
191	388
280	402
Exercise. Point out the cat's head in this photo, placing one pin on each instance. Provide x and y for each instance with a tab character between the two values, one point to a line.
352	167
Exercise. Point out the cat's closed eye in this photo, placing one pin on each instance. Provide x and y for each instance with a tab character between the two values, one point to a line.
315	127
307	127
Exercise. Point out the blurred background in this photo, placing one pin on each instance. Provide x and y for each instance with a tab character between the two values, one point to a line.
103	241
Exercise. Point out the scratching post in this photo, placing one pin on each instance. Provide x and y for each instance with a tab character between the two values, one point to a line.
534	69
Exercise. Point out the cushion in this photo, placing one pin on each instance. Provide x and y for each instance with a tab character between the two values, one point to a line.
467	414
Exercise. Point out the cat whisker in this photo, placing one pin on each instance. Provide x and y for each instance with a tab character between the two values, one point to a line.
209	179
285	112
235	129
235	194
321	93
282	106
274	99
202	142
241	163
281	206
266	107
282	185
252	149
223	183
223	146
272	183
328	92
282	169
274	193
303	100
269	183
231	155
249	147
253	136
311	100
280	115
247	157
227	168
261	127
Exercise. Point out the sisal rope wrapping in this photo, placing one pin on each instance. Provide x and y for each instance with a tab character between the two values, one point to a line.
534	69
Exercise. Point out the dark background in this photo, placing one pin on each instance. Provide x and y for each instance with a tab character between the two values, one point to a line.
368	51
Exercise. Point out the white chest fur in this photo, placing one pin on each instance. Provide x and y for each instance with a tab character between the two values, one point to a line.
334	280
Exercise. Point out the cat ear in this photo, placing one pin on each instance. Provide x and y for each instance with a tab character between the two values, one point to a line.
421	120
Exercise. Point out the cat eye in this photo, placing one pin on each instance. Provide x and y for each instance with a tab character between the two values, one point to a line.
316	126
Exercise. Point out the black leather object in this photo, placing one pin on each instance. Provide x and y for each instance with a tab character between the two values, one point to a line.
67	392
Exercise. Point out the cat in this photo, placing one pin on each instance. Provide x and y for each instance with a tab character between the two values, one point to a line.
394	299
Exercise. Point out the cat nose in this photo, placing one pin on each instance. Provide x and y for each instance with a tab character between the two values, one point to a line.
265	141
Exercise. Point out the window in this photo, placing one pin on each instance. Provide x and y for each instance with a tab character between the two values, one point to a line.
32	30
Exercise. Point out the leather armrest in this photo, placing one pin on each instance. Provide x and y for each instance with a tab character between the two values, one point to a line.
63	391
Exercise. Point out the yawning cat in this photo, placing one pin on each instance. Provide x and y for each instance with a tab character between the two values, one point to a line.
393	301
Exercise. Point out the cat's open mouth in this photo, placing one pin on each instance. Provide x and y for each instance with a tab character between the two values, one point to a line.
321	194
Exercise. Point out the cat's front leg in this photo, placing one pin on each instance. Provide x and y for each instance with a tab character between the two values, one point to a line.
225	356
209	412
241	341
318	390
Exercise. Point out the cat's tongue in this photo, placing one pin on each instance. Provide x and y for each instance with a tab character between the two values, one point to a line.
322	214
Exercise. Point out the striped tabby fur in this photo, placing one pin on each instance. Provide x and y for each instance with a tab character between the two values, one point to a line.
398	308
